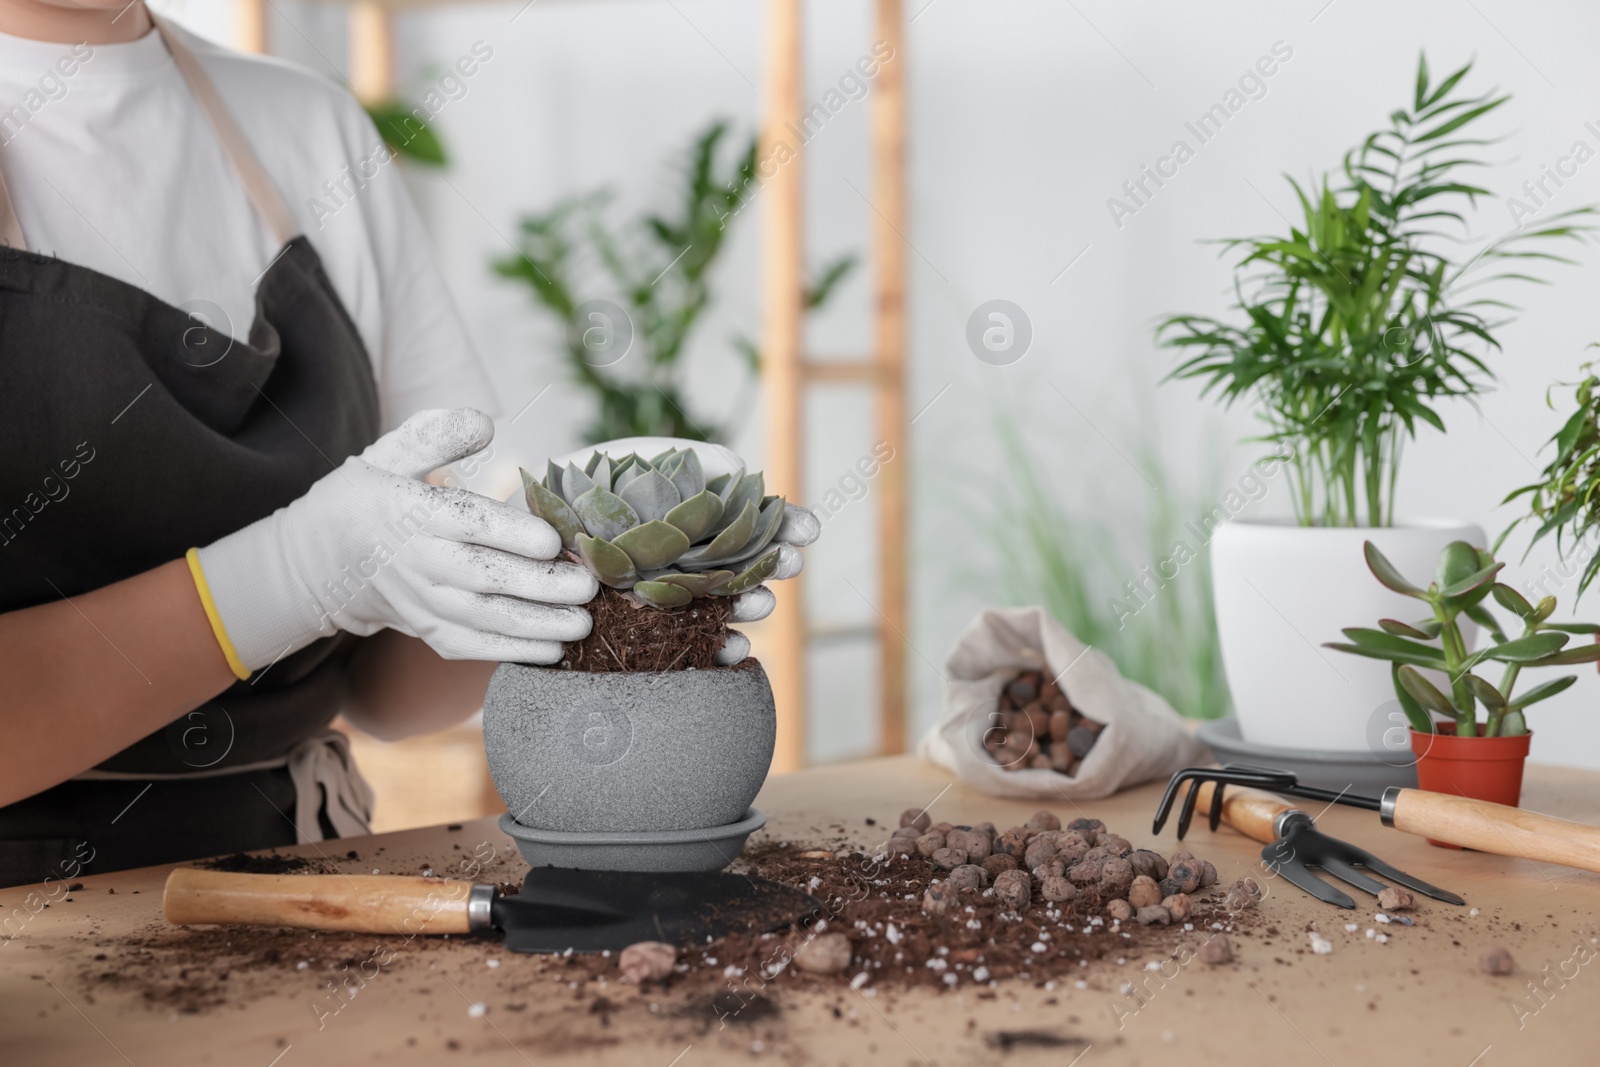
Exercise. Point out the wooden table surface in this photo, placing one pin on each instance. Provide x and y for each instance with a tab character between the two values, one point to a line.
1418	999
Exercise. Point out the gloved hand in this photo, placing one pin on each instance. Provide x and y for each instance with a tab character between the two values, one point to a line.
800	525
371	546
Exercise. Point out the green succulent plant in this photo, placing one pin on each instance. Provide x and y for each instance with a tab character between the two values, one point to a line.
1463	580
658	527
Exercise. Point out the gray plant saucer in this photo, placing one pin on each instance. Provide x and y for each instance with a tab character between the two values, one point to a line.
1368	773
708	849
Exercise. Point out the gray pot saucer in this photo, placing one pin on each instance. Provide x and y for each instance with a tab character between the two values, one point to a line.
1360	772
709	849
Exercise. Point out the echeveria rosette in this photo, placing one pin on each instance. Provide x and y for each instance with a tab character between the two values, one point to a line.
658	527
1463	580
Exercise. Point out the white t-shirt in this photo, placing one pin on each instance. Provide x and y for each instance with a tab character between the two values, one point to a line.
112	165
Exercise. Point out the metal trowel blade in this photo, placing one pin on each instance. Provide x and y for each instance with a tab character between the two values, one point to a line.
560	908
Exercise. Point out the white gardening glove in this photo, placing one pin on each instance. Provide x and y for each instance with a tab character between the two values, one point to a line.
371	546
800	525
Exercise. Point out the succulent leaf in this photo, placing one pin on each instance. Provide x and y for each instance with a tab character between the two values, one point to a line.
651	495
575	483
552	509
719	485
604	514
609	563
1386	573
748	490
725	545
700	584
552	477
1487	695
750	577
653	545
662	594
595	459
687	474
697	514
1425	692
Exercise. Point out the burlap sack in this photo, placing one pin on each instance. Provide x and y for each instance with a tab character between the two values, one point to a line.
1143	739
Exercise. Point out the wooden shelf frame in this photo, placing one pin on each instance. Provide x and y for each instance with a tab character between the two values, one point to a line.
787	370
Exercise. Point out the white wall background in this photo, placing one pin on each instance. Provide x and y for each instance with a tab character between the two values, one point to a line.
1026	116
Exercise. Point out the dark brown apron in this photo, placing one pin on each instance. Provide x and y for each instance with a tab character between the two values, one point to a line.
131	431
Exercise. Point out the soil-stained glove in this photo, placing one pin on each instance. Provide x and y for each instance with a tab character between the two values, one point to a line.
371	546
800	525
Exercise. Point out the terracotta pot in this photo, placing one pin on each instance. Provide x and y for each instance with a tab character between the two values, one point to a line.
1483	768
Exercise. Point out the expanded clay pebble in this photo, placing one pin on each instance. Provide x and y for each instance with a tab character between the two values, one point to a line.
966	876
930	842
1496	960
1116	875
646	960
975	842
1150	864
1087	825
1143	892
1208	874
1015	888
1044	820
1183	876
997	863
948	858
916	817
1396	899
1243	894
1120	910
1013	843
1086	872
1216	949
1180	906
1041	850
824	954
1152	915
938	899
1057	889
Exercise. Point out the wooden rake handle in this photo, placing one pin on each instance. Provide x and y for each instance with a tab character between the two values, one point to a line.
1249	811
361	903
1496	828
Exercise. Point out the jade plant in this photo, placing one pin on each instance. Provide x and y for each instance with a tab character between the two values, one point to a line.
1463	582
658	528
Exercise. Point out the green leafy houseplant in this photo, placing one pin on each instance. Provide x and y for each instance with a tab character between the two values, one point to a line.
1463	580
1353	327
659	269
1566	498
658	528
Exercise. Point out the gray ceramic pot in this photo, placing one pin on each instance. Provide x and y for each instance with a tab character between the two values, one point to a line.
628	752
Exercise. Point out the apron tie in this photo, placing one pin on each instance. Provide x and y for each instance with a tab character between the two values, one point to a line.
326	779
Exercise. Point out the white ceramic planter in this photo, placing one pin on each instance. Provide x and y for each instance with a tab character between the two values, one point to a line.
1281	591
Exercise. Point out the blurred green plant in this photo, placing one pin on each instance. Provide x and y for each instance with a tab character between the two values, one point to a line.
1072	565
1355	325
1463	579
659	267
405	134
1566	498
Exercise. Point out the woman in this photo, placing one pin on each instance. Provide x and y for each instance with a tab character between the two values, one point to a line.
214	535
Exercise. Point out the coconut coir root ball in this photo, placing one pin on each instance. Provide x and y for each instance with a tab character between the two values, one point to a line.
632	636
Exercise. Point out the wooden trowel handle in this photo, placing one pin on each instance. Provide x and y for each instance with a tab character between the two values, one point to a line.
363	903
1496	828
1249	811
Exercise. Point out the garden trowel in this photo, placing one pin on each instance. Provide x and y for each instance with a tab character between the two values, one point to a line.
556	910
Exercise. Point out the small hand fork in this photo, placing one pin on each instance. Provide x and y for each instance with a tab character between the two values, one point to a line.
1294	845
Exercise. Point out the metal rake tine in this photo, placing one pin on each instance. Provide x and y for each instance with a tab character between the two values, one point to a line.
1293	871
1346	873
1186	815
1399	877
1216	805
1175	783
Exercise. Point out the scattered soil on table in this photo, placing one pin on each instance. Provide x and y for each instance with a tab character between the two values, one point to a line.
629	635
874	897
271	863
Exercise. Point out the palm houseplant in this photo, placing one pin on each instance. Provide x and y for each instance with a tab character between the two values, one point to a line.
1565	500
1349	334
642	748
1441	684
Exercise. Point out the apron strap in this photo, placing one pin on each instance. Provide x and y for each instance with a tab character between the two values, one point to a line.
269	203
264	196
10	228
